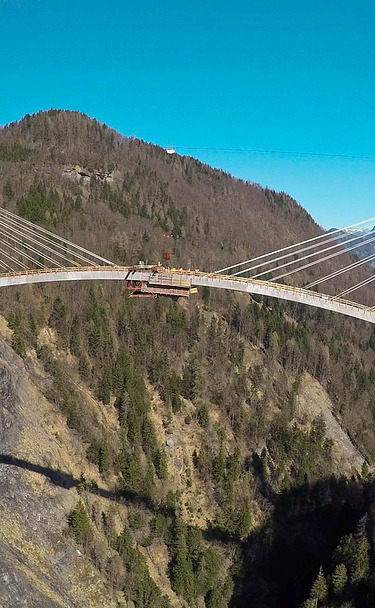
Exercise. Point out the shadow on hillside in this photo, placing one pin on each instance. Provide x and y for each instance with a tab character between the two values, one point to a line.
67	481
281	560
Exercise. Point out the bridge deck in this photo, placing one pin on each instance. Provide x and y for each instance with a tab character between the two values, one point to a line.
194	279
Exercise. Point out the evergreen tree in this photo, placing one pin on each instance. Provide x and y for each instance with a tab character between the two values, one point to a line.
219	596
148	480
319	589
58	318
244	519
103	457
361	564
160	463
8	192
105	386
207	571
182	573
203	415
339	579
170	392
215	599
18	343
33	331
83	368
344	554
75	337
79	522
218	469
130	467
309	604
190	379
234	465
365	470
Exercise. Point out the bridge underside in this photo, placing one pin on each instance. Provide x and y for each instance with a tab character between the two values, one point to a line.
195	279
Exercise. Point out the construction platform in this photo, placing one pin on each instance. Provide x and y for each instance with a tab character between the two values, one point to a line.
161	282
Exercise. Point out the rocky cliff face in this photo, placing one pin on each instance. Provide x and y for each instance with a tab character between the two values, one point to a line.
38	488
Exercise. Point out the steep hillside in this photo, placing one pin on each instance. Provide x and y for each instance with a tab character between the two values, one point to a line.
39	566
176	452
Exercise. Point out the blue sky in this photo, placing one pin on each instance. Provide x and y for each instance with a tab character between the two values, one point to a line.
281	75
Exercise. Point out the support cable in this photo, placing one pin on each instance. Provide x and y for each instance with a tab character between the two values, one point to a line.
39	228
357	286
29	247
22	253
341	271
294	253
342	244
14	260
50	241
327	257
29	238
6	264
265	151
3	266
315	238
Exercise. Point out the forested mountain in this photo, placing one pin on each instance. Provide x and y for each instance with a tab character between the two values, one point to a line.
210	453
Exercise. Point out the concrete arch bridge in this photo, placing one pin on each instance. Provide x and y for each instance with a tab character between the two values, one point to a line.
31	254
145	281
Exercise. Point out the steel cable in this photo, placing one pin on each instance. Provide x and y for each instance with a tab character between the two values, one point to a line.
28	231
342	244
315	238
328	257
341	271
29	247
60	238
357	286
